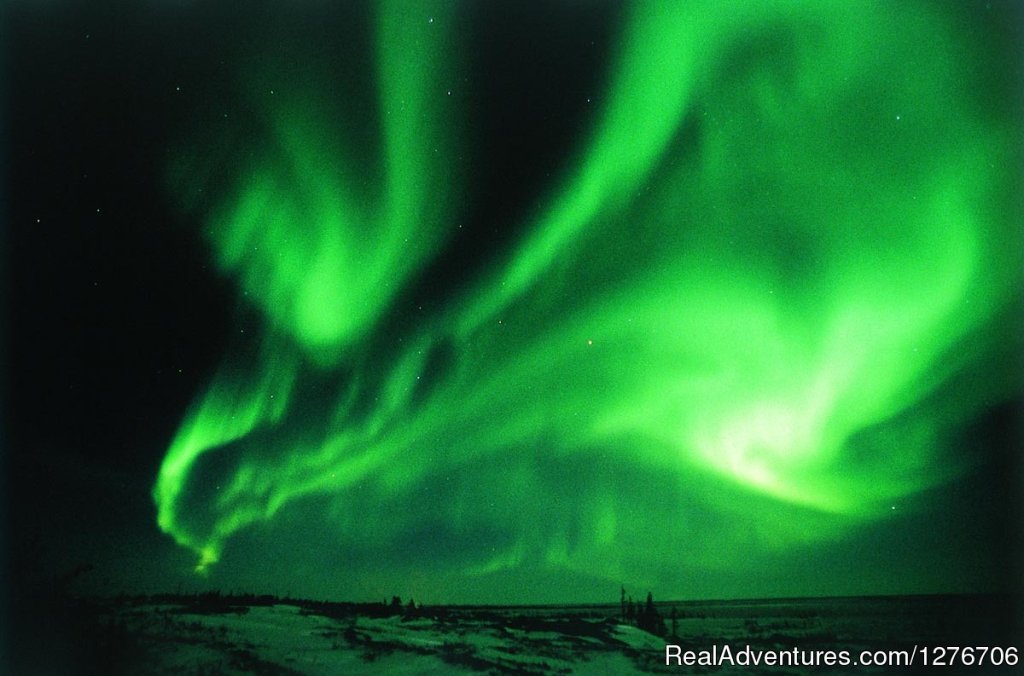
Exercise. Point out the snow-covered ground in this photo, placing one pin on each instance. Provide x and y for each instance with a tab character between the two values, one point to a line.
269	637
289	639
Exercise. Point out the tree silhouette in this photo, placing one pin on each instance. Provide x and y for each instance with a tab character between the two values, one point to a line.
649	619
645	615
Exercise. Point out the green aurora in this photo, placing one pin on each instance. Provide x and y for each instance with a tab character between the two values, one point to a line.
771	286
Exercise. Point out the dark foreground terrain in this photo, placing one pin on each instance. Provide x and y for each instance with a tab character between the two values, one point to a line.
218	634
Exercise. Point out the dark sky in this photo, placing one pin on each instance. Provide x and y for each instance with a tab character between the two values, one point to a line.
117	315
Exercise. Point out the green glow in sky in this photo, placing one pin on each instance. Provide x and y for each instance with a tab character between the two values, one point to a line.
775	274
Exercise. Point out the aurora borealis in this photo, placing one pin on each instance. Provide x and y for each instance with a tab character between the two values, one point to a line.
714	299
774	271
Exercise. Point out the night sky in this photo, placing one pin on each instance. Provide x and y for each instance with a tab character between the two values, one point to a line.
493	303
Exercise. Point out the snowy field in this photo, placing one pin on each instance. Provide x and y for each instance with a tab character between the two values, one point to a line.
226	635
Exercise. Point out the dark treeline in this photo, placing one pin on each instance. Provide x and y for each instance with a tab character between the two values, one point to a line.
645	615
